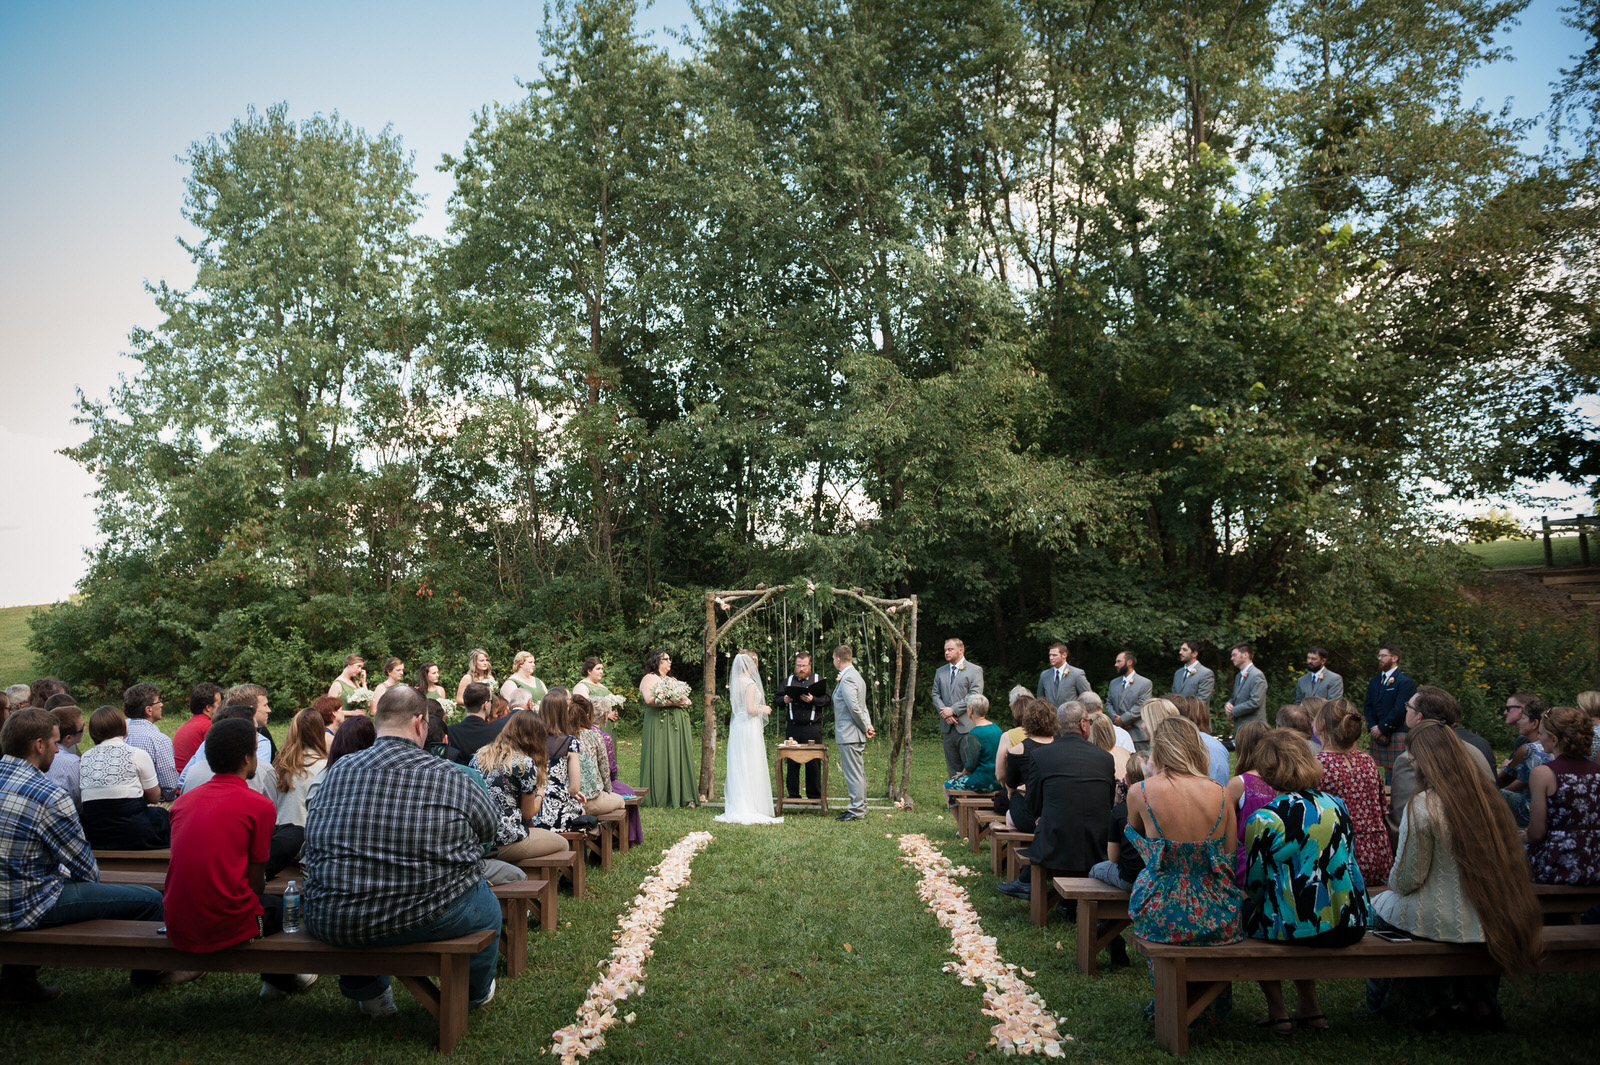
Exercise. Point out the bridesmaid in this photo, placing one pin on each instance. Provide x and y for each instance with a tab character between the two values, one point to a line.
666	756
522	678
349	681
478	672
394	675
428	682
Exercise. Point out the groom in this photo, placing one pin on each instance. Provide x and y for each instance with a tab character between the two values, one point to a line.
852	727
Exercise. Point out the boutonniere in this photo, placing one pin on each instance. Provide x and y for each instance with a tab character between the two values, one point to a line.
1389	683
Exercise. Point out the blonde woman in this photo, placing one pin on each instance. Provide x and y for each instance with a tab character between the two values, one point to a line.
522	679
478	672
515	768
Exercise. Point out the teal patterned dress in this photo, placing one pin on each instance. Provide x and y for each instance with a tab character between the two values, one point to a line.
1301	873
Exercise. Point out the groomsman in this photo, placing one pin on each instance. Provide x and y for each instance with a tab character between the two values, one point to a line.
1192	678
1249	688
1385	709
1319	681
953	685
1126	696
804	724
1061	683
852	728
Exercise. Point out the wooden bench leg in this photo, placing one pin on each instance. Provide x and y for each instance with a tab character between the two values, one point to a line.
1088	936
454	993
1172	1001
608	832
1040	895
577	876
547	902
997	855
514	940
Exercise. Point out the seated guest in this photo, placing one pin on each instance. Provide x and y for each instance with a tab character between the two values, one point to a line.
978	752
141	709
1123	862
514	767
1563	833
499	709
118	785
561	808
16	697
64	769
303	759
356	733
221	836
1095	705
635	827
472	731
439	741
204	701
1178	821
1528	755
1428	703
1247	792
1038	720
255	696
1008	739
1301	875
1198	714
494	871
49	876
394	853
1102	734
1352	777
1069	785
594	776
1589	703
198	770
1296	717
333	714
1458	877
1161	709
40	691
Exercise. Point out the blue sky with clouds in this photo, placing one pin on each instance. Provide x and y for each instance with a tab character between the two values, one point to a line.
97	101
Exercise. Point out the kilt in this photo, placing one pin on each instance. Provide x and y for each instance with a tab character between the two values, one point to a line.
1385	751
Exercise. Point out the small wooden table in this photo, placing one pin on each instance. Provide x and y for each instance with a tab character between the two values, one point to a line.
800	753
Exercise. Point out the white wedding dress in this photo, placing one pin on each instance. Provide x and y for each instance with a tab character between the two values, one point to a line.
748	793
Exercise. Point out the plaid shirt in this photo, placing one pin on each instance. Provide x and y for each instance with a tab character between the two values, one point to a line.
393	835
39	837
149	738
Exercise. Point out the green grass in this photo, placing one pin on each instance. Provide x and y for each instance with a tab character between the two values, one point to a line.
16	661
751	966
1531	552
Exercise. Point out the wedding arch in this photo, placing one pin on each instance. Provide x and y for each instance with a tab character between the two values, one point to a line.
778	621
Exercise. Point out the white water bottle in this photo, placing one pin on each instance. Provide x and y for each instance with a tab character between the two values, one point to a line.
291	907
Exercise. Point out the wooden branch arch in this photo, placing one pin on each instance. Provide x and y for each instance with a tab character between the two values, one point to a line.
905	672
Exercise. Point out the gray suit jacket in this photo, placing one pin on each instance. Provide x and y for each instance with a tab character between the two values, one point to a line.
1331	686
1249	696
1060	689
952	688
1126	698
1200	684
850	717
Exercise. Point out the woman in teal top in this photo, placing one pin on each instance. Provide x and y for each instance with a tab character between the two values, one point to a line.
1301	875
981	745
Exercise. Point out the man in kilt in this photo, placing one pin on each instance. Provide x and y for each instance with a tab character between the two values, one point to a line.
1385	709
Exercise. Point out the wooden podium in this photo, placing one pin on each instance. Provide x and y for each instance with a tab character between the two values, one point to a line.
800	753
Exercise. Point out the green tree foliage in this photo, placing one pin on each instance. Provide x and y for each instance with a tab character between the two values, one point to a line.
1118	324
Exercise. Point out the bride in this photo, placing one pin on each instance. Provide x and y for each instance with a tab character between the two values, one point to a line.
748	793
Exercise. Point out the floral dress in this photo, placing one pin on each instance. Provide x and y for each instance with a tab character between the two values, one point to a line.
507	785
1570	850
1520	801
560	806
1353	777
1302	876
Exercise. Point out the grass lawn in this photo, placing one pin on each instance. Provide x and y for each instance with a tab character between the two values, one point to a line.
16	661
803	942
1531	552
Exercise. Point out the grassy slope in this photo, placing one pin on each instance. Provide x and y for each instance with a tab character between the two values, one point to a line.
1531	552
751	965
16	661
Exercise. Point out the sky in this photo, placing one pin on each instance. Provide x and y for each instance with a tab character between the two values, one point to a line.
98	100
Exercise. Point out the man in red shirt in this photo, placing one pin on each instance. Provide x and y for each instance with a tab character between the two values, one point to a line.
221	836
204	700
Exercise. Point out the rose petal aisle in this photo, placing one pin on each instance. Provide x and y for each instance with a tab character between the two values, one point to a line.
1026	1025
625	971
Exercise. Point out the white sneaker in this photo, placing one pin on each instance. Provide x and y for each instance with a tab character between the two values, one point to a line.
269	993
379	1005
485	1000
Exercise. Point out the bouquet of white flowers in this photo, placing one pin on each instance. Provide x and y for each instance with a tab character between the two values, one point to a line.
451	710
672	690
360	699
607	703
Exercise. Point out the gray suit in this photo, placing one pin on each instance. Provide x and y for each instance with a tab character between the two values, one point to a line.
1059	689
1249	697
952	688
1329	686
1125	698
1200	684
850	724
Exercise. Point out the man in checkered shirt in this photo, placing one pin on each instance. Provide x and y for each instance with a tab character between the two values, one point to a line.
394	852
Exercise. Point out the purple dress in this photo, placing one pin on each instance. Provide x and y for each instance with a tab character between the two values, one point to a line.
1570	850
635	827
1257	793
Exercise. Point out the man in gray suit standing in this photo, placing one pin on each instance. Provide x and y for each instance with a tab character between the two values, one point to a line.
1126	696
953	685
1061	683
1192	678
1249	702
1320	681
852	728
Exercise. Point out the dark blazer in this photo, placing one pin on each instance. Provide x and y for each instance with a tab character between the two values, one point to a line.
1386	703
1070	784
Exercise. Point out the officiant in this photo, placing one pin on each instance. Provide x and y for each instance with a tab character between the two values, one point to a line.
805	697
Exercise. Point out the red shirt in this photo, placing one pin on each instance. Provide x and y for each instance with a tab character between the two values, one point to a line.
217	830
187	740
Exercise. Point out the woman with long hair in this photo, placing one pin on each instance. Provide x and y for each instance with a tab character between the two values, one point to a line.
428	682
355	734
1563	833
594	777
1103	734
332	712
1247	792
478	672
600	697
1353	777
666	758
1459	876
590	685
513	765
563	800
301	761
351	679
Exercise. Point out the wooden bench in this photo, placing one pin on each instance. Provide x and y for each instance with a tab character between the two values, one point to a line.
1003	846
135	861
1097	902
1189	978
552	867
137	945
974	815
612	835
953	803
519	900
